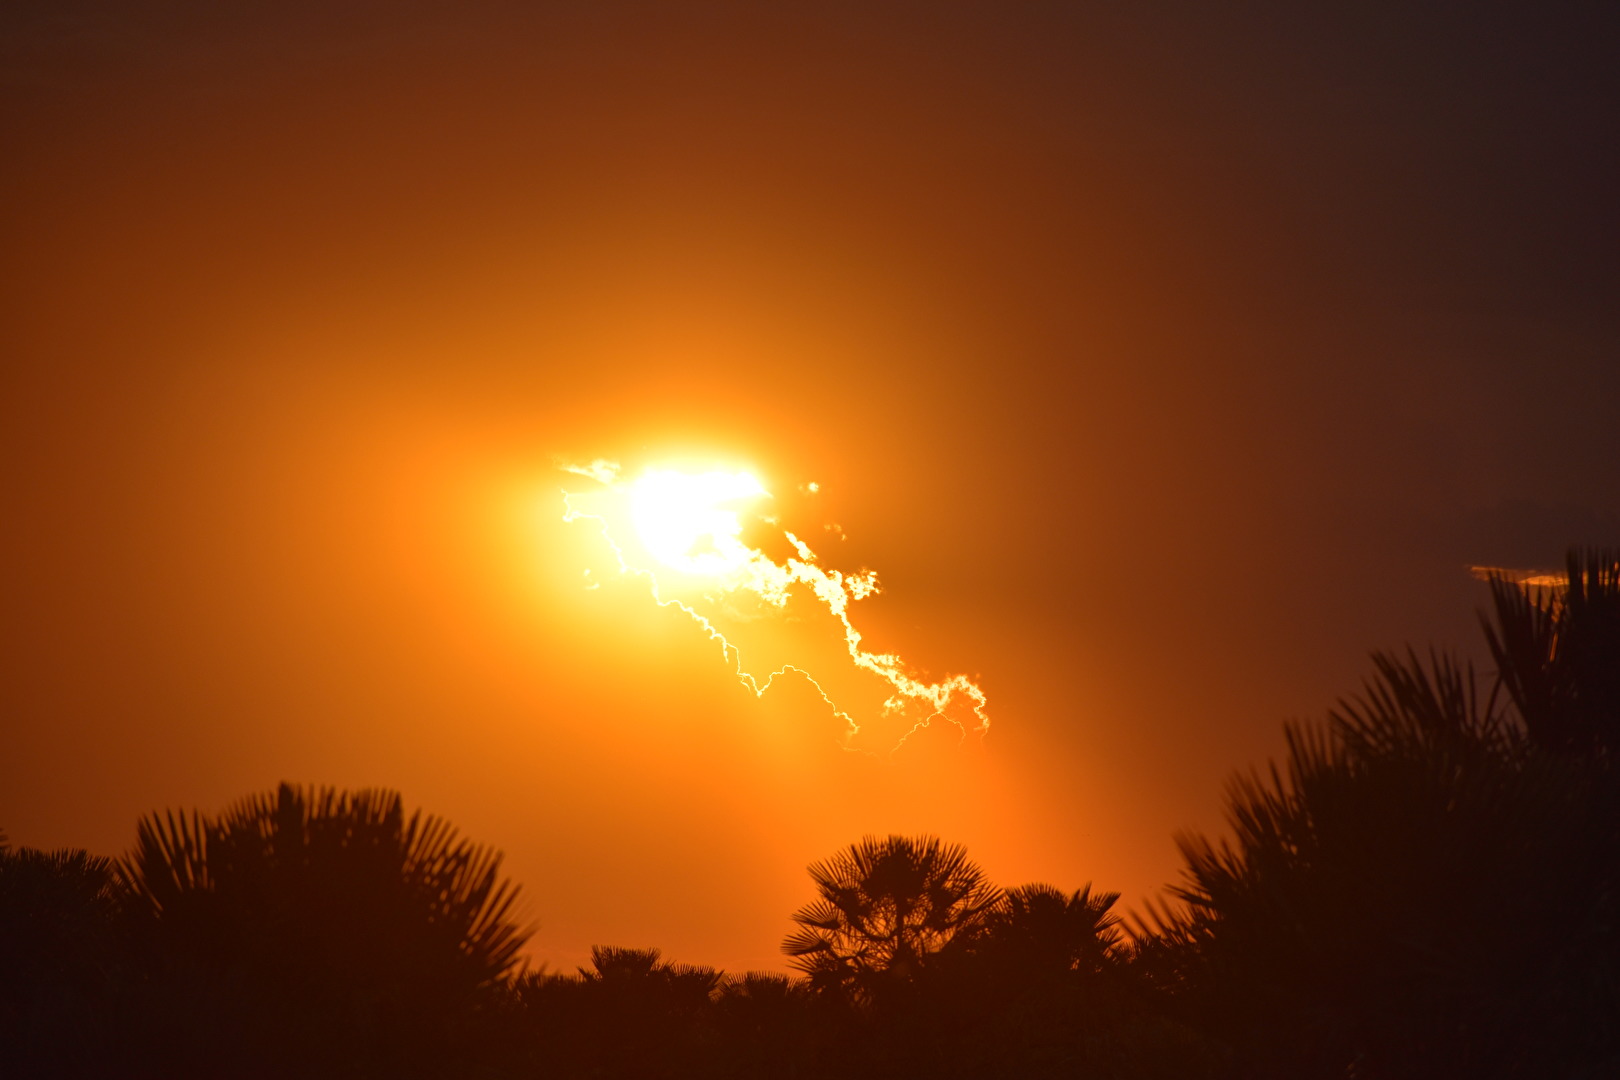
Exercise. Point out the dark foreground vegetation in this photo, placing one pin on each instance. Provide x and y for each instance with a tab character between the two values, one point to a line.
1428	886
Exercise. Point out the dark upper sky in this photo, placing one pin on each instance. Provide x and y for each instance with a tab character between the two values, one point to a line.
1163	360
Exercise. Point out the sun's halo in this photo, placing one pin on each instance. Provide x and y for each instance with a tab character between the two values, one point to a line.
690	521
681	535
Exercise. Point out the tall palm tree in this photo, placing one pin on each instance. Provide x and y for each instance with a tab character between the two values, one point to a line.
1427	885
886	906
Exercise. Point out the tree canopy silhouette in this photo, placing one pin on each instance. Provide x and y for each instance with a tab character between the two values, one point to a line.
1555	650
1039	928
1429	884
59	960
886	906
329	923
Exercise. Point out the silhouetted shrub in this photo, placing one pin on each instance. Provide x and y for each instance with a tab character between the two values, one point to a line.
316	931
60	962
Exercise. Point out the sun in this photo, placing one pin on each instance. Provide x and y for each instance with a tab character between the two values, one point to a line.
690	521
680	534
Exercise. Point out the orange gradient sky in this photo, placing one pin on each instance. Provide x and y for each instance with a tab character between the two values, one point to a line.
1161	364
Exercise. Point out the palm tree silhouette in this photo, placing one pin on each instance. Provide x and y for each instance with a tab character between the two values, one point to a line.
643	979
1039	927
60	970
319	925
886	907
1555	651
1428	884
631	1014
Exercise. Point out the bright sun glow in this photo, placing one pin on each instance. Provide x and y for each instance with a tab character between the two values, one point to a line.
693	523
689	522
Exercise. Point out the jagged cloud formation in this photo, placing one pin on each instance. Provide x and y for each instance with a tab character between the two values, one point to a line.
682	534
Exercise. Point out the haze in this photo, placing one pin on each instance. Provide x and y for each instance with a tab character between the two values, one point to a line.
1161	361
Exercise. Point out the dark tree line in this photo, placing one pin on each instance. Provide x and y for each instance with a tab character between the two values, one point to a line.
298	932
1427	885
1430	884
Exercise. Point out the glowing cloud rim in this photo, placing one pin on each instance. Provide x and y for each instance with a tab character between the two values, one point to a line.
1533	579
656	498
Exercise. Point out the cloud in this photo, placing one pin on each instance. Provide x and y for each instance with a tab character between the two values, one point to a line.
1534	579
601	470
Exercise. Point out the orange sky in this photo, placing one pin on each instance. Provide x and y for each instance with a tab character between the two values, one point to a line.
1160	364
